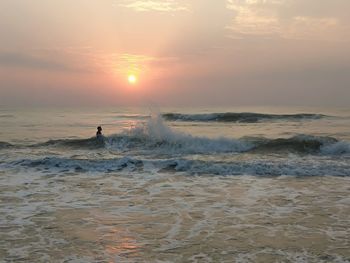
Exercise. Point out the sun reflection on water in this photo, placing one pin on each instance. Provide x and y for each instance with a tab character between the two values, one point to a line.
118	244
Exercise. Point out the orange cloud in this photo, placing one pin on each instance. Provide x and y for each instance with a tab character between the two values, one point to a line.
149	5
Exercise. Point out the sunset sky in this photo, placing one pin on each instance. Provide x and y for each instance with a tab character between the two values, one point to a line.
193	52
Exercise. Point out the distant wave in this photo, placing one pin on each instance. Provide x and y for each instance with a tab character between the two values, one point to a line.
4	145
257	167
132	116
7	116
246	117
297	144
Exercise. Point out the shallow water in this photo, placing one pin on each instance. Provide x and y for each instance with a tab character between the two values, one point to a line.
174	191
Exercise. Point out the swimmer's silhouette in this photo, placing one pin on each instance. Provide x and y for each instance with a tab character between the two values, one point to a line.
99	132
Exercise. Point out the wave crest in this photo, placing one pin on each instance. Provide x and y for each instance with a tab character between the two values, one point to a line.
90	143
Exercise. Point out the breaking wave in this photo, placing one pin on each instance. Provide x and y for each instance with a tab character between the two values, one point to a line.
165	141
155	137
295	167
247	117
187	144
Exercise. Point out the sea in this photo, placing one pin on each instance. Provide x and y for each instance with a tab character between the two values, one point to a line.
224	184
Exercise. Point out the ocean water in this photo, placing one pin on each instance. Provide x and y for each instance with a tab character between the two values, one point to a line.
175	185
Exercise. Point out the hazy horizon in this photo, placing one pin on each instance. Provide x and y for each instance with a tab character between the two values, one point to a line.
183	53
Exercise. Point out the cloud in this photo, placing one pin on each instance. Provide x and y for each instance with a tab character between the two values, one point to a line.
302	27
251	21
30	61
59	59
315	20
202	29
149	5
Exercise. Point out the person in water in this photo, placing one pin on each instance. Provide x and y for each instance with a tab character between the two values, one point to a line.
99	132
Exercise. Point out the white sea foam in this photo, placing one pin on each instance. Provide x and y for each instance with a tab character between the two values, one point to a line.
157	135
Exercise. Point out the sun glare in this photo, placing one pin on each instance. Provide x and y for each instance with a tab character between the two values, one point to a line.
132	79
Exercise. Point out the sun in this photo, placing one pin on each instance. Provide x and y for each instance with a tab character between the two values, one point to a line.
132	79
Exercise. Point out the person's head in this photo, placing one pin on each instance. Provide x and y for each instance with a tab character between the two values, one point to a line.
99	128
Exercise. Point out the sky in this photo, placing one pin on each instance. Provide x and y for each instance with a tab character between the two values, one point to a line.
182	53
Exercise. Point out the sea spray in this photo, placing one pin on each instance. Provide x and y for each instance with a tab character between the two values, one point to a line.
156	134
